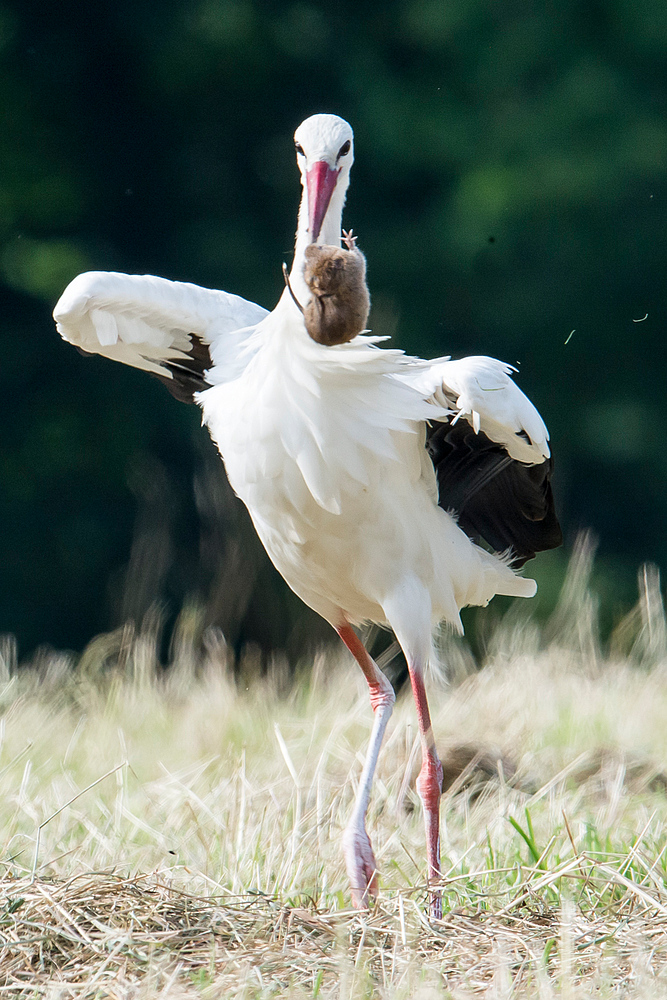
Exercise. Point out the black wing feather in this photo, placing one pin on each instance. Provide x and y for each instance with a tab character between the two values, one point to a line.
187	374
507	503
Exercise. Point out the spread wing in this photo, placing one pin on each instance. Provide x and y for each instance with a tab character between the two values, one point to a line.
481	391
491	458
172	329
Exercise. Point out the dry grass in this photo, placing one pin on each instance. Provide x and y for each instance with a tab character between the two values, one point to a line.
105	935
177	834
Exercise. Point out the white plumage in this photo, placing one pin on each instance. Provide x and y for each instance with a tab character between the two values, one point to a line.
329	458
481	388
144	321
326	447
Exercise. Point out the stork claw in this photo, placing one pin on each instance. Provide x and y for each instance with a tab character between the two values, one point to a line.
361	866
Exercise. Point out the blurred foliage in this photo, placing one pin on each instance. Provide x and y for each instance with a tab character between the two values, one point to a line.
509	192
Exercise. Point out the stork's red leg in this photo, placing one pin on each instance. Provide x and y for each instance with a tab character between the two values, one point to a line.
429	786
359	857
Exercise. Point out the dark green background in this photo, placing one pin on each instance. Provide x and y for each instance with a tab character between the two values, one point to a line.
509	187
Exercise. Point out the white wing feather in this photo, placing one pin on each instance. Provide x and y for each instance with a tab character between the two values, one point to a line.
481	390
145	321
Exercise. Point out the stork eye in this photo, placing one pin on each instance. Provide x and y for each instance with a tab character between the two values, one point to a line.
344	149
299	149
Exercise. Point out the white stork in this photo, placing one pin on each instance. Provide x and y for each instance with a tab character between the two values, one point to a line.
367	473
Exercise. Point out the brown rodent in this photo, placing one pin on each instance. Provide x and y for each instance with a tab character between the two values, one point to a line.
339	304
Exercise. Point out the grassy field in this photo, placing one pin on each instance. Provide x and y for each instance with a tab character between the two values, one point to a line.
177	833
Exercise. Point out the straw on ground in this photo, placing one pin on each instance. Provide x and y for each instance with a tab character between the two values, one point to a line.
208	865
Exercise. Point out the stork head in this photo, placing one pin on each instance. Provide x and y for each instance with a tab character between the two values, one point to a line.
324	153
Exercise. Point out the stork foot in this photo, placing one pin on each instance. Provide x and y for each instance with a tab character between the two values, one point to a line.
361	866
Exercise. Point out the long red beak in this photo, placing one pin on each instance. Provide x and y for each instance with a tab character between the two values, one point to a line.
321	181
